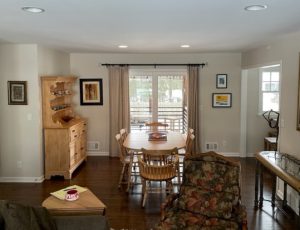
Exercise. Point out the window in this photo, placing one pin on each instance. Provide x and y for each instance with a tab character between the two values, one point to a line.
157	95
269	88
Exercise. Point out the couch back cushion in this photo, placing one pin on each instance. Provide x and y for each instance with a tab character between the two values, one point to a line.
204	202
210	186
213	175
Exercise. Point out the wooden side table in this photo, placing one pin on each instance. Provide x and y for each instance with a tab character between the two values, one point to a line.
270	144
86	204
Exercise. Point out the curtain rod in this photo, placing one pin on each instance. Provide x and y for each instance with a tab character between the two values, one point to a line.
197	64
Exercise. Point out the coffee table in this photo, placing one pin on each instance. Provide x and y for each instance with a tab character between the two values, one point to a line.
86	204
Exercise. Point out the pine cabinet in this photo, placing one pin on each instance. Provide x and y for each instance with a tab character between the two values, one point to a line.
64	131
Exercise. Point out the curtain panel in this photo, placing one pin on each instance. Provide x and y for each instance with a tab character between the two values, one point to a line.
193	104
118	104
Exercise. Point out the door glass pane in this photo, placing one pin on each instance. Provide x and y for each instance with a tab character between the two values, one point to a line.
170	101
140	93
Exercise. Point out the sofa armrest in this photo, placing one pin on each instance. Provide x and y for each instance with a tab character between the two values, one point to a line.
240	215
89	222
168	204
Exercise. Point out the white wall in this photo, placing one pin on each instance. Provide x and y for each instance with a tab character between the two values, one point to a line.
20	124
218	125
257	126
52	62
21	155
286	50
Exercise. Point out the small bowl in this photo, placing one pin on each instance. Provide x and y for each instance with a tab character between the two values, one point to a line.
72	195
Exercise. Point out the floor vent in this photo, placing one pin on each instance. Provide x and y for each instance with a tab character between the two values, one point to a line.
93	146
211	146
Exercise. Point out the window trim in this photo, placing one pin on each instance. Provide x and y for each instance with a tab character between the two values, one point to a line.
271	68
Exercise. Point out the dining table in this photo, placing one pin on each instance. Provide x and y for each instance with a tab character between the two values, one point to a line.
138	140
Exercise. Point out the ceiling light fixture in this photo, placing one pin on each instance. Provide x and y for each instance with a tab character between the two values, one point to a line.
255	7
185	46
32	9
123	46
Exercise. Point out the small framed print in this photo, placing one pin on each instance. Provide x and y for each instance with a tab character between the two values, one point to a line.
221	81
91	92
221	100
17	92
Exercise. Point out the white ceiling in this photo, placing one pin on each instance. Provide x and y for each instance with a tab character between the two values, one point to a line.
147	26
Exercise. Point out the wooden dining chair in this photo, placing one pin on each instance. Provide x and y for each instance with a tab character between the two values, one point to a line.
159	166
126	160
187	151
124	134
156	126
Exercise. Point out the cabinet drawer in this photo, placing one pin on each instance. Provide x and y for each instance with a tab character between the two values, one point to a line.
74	133
74	155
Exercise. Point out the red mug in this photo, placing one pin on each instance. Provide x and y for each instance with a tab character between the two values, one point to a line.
72	195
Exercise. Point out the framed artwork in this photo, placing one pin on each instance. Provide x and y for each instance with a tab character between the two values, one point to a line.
221	81
221	100
17	92
91	92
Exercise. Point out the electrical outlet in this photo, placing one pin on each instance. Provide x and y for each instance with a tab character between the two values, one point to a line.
211	146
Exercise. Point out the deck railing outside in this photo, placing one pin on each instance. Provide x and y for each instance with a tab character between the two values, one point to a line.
175	117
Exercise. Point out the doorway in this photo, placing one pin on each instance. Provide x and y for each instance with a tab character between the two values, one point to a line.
260	93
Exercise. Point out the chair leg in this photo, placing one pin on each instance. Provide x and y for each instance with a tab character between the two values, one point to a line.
178	174
145	193
169	187
129	170
122	175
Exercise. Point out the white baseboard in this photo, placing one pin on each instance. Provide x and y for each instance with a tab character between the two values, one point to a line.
230	154
22	179
95	153
250	154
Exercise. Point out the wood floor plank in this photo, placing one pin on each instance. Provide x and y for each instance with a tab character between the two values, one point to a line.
101	175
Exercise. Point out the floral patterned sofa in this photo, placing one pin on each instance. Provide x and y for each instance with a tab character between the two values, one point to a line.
209	197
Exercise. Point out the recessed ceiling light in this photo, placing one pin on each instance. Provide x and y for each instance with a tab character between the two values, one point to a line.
185	46
255	7
32	9
123	46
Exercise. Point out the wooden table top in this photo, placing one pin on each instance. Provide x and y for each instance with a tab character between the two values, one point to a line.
139	140
271	139
268	159
86	204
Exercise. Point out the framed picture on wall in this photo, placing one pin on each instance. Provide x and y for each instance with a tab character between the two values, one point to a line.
91	92
221	81
221	100
17	92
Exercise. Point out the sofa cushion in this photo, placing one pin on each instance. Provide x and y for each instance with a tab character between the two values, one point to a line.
215	176
18	216
211	204
179	219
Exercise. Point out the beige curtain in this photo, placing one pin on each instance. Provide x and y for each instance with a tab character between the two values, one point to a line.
193	104
118	104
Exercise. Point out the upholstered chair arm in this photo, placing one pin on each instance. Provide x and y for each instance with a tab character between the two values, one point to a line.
240	215
169	202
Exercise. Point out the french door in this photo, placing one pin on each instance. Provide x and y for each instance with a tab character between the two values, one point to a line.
157	95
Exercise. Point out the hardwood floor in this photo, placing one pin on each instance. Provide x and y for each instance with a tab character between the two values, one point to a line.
124	211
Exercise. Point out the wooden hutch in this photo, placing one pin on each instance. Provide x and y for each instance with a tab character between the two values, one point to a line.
64	131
